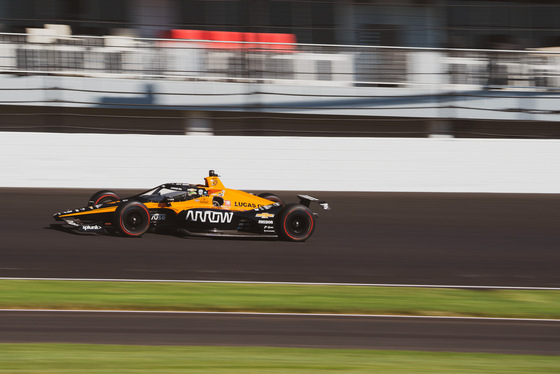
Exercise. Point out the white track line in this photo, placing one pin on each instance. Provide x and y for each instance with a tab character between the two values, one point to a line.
288	283
283	314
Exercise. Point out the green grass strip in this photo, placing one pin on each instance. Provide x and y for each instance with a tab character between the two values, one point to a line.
97	359
28	294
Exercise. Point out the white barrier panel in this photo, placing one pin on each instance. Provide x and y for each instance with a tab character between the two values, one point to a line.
280	163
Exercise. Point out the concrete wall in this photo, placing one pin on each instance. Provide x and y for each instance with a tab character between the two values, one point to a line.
280	163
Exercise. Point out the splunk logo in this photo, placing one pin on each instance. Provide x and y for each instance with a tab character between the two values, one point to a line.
209	216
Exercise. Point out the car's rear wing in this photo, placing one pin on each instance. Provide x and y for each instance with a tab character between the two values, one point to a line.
307	200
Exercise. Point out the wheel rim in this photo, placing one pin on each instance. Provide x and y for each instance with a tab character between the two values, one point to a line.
134	221
298	224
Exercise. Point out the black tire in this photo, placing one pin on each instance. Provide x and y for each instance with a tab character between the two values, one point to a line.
132	219
103	197
295	222
272	197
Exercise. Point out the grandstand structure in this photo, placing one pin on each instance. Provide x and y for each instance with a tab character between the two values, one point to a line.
405	68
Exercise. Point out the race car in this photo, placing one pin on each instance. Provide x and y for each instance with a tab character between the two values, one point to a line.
197	210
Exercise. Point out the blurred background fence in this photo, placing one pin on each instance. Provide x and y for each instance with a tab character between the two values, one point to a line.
359	68
53	81
127	57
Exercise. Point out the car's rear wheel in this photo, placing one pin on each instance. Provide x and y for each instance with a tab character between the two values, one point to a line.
103	197
295	222
271	197
132	219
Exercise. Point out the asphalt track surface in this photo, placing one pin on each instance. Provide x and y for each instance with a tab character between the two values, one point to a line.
511	337
397	238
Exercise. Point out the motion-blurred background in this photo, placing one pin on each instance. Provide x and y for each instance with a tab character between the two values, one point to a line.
350	68
310	68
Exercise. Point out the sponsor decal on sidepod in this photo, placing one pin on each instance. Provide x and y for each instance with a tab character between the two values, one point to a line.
264	215
242	204
209	216
158	217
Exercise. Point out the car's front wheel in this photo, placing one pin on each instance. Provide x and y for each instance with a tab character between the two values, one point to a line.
295	222
132	219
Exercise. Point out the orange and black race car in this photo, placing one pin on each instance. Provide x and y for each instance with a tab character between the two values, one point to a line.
196	209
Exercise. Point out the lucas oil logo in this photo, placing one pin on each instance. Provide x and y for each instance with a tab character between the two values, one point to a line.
242	204
209	216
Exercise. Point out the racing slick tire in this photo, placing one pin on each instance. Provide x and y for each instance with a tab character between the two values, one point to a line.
103	197
295	222
272	197
132	219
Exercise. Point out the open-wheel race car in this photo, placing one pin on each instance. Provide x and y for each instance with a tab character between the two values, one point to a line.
195	209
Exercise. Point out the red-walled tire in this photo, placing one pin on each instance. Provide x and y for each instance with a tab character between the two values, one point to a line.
132	219
103	197
272	197
295	222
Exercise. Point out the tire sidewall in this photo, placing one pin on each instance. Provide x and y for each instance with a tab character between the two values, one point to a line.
290	212
126	209
99	196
